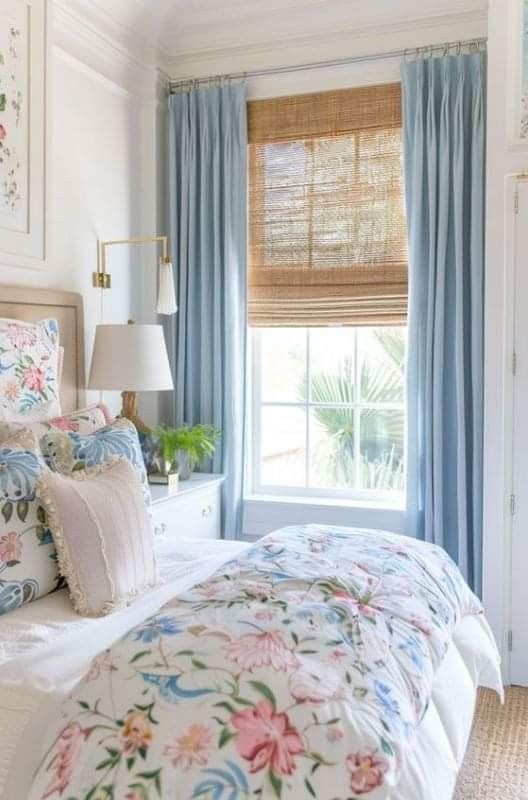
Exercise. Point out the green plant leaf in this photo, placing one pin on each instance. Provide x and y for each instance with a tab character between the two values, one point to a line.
265	691
227	706
276	783
7	511
225	736
139	655
22	510
334	391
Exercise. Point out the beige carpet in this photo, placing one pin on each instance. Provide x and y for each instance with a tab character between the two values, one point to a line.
496	764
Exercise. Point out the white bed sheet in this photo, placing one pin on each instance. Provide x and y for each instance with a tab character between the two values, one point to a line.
46	647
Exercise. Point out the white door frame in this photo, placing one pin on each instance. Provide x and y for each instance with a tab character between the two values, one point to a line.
518	512
498	433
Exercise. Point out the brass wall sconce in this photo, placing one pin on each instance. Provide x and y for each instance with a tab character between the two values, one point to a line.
166	291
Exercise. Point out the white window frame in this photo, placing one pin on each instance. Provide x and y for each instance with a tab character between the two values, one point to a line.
371	497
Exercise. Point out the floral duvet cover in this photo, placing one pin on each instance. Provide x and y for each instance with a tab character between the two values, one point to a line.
300	670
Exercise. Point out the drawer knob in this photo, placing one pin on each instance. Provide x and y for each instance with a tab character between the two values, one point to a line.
206	511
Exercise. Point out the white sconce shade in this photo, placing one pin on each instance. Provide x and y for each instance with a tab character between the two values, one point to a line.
132	358
166	291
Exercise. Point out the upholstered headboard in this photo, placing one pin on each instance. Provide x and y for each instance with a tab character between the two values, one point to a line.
32	305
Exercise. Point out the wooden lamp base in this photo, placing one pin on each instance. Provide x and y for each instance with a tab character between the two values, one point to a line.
130	411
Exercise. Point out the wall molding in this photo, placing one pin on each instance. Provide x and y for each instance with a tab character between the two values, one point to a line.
118	53
101	53
406	32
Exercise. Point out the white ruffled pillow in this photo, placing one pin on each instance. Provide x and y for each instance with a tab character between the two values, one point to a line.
102	533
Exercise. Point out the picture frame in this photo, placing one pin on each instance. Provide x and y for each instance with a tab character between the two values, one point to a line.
23	140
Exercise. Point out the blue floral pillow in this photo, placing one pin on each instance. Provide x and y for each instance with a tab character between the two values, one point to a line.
68	451
28	561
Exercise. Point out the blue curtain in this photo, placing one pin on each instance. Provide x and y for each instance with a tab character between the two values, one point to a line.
444	154
208	228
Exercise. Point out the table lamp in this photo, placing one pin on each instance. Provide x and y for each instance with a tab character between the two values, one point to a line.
130	358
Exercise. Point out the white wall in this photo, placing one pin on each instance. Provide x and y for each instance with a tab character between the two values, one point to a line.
503	160
100	177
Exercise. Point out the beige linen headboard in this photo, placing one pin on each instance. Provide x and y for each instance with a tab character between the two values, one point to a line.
32	305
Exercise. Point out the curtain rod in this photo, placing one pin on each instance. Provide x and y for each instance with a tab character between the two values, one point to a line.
474	45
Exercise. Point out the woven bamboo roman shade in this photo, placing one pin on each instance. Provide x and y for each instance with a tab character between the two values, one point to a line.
328	242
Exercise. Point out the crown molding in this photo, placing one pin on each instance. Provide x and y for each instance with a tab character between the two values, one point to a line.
287	50
84	31
81	39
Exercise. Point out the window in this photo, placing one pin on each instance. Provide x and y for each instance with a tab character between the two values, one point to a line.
328	294
329	412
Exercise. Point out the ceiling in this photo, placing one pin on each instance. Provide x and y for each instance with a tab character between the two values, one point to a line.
178	28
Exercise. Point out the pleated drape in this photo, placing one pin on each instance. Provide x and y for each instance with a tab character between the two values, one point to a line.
208	226
444	153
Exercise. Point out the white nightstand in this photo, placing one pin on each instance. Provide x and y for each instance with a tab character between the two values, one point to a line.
192	511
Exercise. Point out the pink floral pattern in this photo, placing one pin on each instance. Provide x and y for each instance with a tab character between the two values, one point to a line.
367	770
21	337
192	748
313	689
253	651
34	378
10	547
100	664
11	391
61	766
83	421
29	360
267	739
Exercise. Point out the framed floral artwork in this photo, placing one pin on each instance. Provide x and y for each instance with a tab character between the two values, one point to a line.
522	130
23	66
517	71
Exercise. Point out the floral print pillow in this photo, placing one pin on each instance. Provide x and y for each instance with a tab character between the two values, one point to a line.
68	451
84	421
29	362
28	561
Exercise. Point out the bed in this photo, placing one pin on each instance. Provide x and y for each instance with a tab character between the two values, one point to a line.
319	662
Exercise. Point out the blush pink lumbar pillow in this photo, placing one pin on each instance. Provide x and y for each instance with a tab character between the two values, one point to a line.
102	533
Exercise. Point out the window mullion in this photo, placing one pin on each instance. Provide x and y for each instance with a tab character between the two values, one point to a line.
357	411
307	413
256	445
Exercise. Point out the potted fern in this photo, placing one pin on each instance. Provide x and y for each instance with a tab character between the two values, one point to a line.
182	449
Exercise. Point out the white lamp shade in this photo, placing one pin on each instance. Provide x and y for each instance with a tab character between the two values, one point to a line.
130	358
166	291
